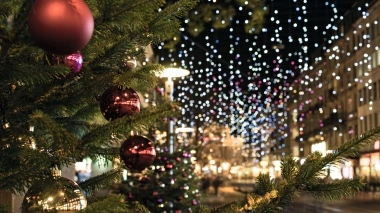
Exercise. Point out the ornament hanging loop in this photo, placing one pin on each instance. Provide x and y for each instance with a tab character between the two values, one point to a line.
55	171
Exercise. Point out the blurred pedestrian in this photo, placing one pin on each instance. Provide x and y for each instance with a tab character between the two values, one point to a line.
206	183
216	183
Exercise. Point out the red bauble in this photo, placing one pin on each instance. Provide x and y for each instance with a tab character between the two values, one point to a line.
73	61
116	102
169	166
137	152
61	26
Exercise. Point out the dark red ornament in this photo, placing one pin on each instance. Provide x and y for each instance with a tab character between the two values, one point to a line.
61	26
145	179
116	102
194	202
73	61
137	152
169	166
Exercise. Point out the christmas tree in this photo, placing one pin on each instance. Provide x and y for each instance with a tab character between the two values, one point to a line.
171	184
68	91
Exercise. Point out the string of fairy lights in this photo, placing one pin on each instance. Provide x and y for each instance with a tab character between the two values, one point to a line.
243	79
357	71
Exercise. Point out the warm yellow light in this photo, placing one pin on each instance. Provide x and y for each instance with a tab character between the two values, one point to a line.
173	72
225	165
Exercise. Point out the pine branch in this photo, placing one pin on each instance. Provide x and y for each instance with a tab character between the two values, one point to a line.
264	184
102	153
111	55
138	208
4	208
101	181
202	209
29	75
14	179
54	139
20	13
162	23
6	9
315	163
335	191
110	204
143	76
288	168
138	122
230	207
16	152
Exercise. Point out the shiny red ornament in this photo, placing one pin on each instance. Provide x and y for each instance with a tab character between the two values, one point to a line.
169	166
137	152
73	61
61	26
116	102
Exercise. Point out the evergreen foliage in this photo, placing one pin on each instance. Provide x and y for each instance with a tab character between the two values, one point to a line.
63	112
170	184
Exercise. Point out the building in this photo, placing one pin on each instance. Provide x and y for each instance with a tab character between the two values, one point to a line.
335	99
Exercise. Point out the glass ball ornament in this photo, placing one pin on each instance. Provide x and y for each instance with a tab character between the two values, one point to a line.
160	200
137	152
169	165
116	102
57	194
73	61
194	202
60	26
128	64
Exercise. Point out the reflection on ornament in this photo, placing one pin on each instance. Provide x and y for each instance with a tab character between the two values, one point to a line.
57	194
137	152
116	102
73	61
128	64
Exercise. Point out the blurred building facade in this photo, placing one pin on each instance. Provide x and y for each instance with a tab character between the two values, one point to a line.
337	96
220	154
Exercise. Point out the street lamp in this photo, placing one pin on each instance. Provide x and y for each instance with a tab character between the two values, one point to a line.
170	73
184	129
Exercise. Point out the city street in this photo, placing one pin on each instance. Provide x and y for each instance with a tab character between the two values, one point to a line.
364	202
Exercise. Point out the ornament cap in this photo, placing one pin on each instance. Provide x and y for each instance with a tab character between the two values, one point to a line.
55	172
